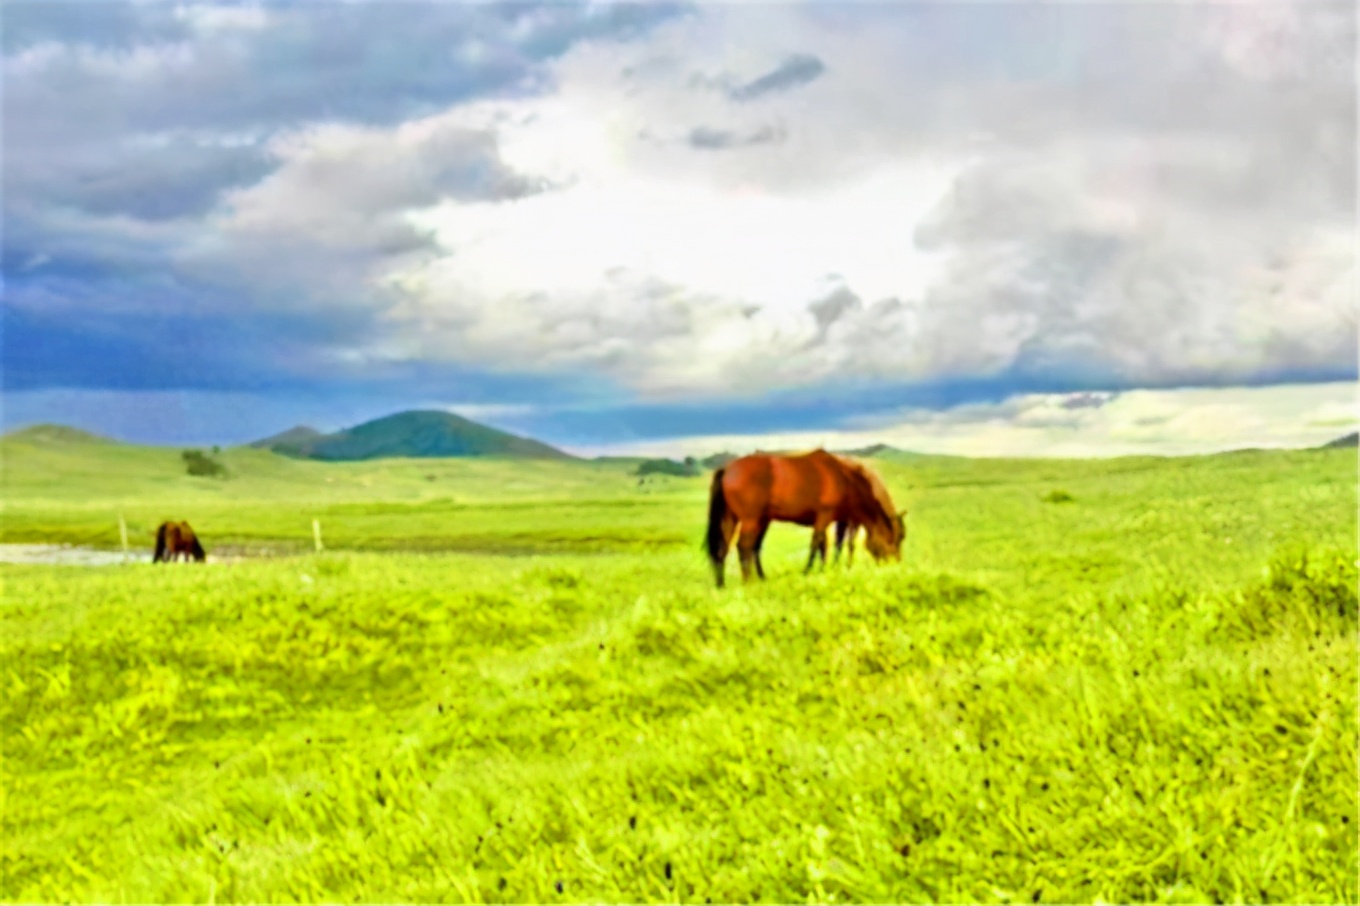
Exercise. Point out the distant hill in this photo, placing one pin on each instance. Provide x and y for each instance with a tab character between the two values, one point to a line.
1350	440
871	450
620	460
416	434
57	434
289	442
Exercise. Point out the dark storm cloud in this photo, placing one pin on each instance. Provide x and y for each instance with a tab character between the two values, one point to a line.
128	125
798	69
1088	400
174	178
369	62
104	25
705	138
1127	166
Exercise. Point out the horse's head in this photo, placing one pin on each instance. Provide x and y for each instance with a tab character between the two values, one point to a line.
883	539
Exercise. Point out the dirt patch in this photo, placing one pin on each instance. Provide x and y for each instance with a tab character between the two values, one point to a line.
67	555
72	555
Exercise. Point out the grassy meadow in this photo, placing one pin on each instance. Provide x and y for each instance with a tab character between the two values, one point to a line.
1122	680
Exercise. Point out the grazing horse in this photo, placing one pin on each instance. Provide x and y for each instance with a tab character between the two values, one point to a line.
175	540
815	489
847	529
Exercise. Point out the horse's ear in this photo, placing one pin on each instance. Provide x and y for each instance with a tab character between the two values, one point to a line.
901	514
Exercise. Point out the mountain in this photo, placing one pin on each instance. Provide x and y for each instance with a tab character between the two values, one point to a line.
1350	440
56	434
289	442
417	434
871	450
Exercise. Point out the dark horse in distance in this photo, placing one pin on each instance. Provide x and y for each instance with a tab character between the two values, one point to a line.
816	489
175	540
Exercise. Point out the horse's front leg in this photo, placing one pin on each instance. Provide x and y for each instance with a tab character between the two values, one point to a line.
818	543
746	548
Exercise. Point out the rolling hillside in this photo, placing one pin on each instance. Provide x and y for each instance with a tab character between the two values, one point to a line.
289	442
415	434
513	681
56	434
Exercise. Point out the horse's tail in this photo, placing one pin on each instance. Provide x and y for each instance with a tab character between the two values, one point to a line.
160	544
716	540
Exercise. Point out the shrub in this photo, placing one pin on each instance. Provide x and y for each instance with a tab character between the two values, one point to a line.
1308	591
717	460
1058	495
667	467
196	463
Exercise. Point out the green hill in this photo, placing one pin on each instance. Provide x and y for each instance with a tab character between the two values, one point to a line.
1350	440
870	451
290	441
416	434
1145	695
56	434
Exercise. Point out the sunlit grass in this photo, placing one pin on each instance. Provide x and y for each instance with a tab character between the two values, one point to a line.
1147	692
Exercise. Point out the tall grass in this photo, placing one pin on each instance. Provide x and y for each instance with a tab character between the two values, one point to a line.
1146	694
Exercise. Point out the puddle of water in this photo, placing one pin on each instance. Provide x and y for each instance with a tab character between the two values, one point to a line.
66	555
70	555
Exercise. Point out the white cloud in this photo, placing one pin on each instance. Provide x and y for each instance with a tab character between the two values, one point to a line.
752	197
1143	252
1154	422
491	411
674	270
248	17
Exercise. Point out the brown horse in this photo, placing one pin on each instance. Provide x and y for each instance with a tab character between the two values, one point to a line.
815	489
846	529
175	540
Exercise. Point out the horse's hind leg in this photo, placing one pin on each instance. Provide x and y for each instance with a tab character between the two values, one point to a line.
729	531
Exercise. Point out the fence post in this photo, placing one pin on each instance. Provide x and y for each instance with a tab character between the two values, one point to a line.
316	534
122	532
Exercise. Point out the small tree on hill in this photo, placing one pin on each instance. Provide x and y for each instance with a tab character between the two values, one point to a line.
667	467
196	463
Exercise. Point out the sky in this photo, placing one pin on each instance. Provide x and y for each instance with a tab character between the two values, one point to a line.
1021	228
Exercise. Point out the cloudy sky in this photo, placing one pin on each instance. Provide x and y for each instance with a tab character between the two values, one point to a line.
1009	227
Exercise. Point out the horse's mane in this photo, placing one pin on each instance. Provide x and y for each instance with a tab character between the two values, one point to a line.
880	490
872	488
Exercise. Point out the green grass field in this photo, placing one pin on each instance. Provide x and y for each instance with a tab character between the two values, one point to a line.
515	682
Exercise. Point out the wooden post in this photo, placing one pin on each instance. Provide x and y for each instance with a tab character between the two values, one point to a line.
122	531
316	534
